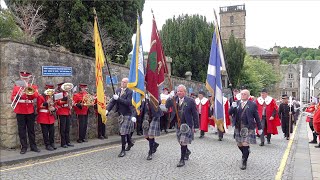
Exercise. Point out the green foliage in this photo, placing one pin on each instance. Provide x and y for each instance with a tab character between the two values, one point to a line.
258	74
234	55
291	54
8	27
67	21
187	39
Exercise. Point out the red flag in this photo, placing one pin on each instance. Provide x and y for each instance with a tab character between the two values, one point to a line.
156	66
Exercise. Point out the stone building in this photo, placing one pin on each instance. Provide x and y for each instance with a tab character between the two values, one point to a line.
233	21
309	86
17	56
290	83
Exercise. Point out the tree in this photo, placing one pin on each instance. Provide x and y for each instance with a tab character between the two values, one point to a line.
258	74
234	55
309	57
187	39
296	61
8	27
67	22
285	62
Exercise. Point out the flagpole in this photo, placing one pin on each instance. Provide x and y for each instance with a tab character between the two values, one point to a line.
225	63
106	60
169	79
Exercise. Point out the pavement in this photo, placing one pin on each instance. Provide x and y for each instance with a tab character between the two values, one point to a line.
210	159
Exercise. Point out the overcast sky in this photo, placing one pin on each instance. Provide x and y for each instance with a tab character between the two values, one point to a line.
284	23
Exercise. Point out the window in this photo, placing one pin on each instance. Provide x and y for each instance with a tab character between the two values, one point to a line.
231	20
290	84
290	76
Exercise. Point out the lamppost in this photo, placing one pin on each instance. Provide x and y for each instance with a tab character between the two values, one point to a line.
309	76
303	97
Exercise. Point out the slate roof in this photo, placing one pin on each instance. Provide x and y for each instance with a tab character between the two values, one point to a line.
257	51
313	65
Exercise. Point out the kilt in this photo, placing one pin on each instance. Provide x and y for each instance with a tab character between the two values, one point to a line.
185	138
127	125
154	128
250	139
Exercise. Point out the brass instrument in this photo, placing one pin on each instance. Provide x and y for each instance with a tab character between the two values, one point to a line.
24	88
88	100
68	87
50	101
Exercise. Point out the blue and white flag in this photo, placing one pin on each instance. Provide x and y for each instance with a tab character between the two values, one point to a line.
136	74
213	82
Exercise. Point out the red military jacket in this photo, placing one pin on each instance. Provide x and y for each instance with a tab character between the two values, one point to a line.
44	115
204	119
63	106
271	109
77	98
25	104
311	110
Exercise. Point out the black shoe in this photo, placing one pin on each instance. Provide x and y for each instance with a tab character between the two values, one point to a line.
100	137
149	156
220	139
49	148
35	149
155	146
318	146
106	137
69	144
244	164
181	163
166	131
129	147
122	153
186	157
288	138
261	144
139	134
269	142
201	136
53	146
313	142
79	141
84	140
23	151
64	146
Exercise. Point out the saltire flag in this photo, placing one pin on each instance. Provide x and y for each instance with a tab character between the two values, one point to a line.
213	82
100	59
156	67
136	74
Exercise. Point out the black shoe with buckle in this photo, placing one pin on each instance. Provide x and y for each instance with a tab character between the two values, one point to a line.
122	153
186	157
23	151
181	163
129	147
155	146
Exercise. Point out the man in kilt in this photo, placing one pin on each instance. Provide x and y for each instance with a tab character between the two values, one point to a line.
151	126
187	113
122	99
246	119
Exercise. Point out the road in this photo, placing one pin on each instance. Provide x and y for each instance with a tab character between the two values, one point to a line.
210	159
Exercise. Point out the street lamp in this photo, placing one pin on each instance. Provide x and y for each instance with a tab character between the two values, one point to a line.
309	76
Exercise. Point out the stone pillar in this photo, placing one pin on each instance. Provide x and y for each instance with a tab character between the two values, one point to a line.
169	61
188	75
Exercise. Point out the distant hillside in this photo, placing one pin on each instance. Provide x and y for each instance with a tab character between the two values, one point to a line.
296	54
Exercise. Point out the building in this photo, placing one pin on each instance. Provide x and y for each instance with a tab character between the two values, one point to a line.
309	85
233	21
290	75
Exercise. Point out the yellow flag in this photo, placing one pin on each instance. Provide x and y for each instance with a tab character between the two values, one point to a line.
101	102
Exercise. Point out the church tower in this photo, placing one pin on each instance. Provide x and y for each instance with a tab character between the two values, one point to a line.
233	21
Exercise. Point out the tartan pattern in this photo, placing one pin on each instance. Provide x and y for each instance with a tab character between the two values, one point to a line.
154	128
186	138
250	139
127	126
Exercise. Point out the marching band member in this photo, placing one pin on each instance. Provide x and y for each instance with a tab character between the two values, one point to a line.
25	112
152	130
311	109
246	119
123	101
46	117
64	116
82	112
267	109
187	112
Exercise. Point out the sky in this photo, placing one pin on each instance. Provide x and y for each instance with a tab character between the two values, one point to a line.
268	23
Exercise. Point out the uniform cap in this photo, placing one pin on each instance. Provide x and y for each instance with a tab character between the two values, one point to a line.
284	96
49	86
25	74
82	85
60	84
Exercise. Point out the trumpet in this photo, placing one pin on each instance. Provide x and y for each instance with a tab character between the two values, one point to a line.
24	88
50	92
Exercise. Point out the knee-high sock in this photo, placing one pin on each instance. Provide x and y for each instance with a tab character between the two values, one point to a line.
183	152
123	142
151	143
246	152
129	139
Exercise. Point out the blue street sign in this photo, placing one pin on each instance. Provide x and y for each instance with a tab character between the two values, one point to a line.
56	71
114	80
190	90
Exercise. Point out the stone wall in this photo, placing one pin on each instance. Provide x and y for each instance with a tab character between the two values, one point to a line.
16	56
